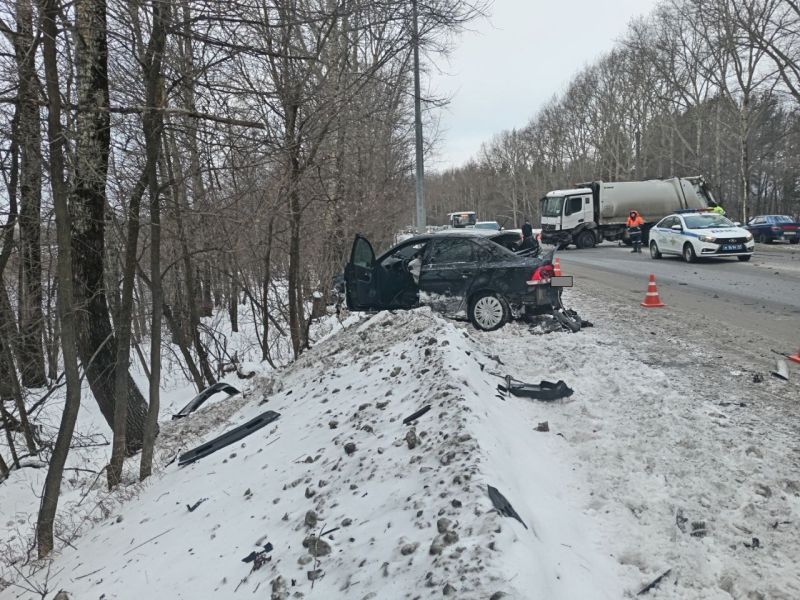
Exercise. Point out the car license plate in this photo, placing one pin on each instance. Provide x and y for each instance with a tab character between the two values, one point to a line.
561	281
732	247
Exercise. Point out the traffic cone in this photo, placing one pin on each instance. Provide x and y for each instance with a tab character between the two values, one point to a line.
794	357
651	299
557	267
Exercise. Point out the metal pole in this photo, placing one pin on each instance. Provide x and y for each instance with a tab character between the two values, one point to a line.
421	216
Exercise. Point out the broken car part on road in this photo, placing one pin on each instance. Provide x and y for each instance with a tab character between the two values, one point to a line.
545	390
502	505
200	399
228	438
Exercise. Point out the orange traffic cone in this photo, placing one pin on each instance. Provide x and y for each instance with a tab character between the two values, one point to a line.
651	299
557	267
794	357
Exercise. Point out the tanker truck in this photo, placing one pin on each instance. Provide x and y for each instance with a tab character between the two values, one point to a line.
596	211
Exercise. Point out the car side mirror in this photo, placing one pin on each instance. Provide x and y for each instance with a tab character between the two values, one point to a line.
676	228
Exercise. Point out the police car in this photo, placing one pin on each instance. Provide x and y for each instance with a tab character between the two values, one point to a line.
695	234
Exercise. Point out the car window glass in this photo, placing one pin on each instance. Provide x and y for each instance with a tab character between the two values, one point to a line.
362	254
492	252
782	219
406	252
706	221
451	251
573	205
669	222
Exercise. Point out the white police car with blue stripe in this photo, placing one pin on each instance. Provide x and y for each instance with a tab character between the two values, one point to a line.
695	234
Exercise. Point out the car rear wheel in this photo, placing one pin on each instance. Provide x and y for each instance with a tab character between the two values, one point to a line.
585	239
689	254
488	311
654	251
744	258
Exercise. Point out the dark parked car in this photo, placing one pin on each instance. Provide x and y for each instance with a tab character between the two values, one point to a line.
769	228
459	273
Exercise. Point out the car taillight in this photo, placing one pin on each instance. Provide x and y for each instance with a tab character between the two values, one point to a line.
541	275
775	228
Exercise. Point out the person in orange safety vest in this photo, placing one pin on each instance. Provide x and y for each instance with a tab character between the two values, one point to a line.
635	222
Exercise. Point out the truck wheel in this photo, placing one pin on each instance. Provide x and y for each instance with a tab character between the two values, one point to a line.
688	253
585	239
654	251
488	311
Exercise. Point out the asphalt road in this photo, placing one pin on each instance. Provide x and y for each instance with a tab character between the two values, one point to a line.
760	298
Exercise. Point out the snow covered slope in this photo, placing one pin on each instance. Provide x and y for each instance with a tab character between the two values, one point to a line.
406	505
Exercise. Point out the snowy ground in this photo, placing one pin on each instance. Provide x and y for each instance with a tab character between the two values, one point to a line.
668	456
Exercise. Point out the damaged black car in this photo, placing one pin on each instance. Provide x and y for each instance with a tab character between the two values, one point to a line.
460	274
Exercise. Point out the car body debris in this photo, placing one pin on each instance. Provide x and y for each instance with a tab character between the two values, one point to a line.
201	398
193	507
259	556
234	435
502	505
416	415
546	391
781	371
654	584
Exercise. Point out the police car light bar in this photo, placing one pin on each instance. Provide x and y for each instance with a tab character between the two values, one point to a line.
684	211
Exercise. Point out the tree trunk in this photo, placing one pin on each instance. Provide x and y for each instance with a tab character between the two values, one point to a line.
153	125
265	304
31	351
55	471
744	157
8	425
233	302
96	344
3	469
124	318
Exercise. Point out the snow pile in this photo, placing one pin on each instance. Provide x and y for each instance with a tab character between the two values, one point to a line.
688	462
348	501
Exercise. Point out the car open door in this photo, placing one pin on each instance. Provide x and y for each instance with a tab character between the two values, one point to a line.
361	284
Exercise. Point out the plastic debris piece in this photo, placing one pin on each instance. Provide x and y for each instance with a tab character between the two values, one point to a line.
201	398
416	415
234	435
502	505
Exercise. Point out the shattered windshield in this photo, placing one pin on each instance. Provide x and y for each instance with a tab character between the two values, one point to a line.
551	206
707	221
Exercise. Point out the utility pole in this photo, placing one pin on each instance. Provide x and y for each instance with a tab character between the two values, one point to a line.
422	220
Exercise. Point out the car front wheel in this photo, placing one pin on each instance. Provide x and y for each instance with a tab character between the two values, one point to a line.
689	254
488	311
654	251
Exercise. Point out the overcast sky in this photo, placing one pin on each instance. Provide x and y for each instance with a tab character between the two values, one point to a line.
503	70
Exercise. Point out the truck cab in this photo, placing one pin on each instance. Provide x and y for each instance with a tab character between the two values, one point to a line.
568	216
